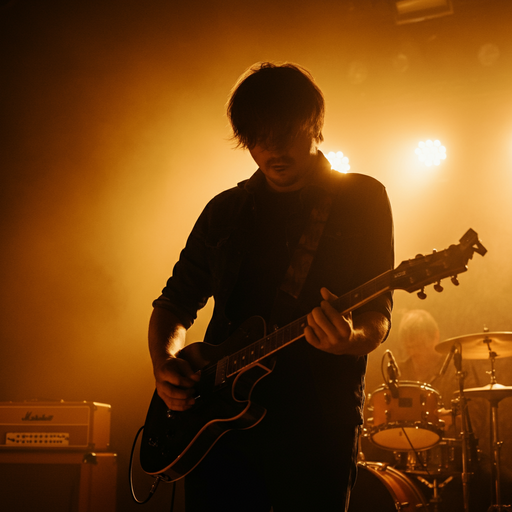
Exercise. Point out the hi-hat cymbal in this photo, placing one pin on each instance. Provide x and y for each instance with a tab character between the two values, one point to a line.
477	346
492	392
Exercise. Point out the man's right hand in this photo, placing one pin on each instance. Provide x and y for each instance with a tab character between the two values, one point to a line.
175	381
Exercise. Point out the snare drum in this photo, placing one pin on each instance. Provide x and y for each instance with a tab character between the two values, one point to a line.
408	421
380	487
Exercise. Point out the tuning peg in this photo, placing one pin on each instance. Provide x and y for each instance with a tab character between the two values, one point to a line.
455	281
438	288
421	294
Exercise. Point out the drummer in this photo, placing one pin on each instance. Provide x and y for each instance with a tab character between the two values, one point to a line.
418	335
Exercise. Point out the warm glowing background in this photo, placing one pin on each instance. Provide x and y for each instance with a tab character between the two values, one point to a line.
113	137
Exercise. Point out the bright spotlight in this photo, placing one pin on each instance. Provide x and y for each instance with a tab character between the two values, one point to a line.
430	153
338	161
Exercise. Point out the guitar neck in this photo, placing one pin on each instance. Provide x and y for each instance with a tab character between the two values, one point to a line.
284	336
410	275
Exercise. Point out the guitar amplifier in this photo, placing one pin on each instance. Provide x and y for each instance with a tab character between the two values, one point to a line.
54	426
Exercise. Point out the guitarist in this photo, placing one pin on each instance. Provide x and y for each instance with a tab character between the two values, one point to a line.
247	251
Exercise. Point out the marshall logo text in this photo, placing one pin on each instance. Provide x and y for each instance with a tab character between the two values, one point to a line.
29	417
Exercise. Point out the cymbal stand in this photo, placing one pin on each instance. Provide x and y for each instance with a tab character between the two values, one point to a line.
466	473
495	444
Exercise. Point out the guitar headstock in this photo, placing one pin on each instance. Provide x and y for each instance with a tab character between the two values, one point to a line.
413	275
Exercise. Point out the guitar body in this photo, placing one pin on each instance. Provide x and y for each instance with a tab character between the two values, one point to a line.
174	443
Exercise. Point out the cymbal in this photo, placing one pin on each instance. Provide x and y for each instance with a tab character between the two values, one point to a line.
475	346
492	392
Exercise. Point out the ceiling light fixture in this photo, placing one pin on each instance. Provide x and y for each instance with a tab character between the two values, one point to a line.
409	11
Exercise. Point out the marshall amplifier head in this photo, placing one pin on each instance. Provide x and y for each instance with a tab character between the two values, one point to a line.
54	426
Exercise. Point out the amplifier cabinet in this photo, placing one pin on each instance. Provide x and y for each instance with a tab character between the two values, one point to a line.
63	481
35	425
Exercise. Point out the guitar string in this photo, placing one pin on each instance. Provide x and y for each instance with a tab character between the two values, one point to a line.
368	290
269	340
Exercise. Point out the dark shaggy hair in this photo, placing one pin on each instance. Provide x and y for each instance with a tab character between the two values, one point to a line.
272	104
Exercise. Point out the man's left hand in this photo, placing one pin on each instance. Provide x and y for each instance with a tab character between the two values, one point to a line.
332	332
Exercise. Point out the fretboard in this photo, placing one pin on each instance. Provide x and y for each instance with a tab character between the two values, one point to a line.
286	335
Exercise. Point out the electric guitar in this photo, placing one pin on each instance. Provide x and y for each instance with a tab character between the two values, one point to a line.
173	443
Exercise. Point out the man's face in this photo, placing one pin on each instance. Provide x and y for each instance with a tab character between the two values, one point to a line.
420	345
287	169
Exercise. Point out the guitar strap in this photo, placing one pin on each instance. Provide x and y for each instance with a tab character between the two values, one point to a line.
302	258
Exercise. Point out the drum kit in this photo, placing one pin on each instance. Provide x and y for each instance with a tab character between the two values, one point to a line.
409	422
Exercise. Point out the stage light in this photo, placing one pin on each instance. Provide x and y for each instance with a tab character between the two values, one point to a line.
430	153
409	11
338	161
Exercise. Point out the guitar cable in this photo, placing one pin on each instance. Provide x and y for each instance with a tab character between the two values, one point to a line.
156	482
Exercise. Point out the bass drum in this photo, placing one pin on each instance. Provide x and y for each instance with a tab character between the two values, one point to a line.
380	487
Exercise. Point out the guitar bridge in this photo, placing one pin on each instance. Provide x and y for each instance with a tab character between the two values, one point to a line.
221	371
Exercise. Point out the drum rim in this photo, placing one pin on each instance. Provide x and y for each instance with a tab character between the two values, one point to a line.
379	468
407	384
390	425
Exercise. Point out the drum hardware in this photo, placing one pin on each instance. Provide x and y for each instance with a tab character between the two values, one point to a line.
393	374
436	499
493	393
442	459
414	458
435	468
488	345
467	435
451	419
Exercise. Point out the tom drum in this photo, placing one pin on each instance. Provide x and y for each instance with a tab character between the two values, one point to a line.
406	421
